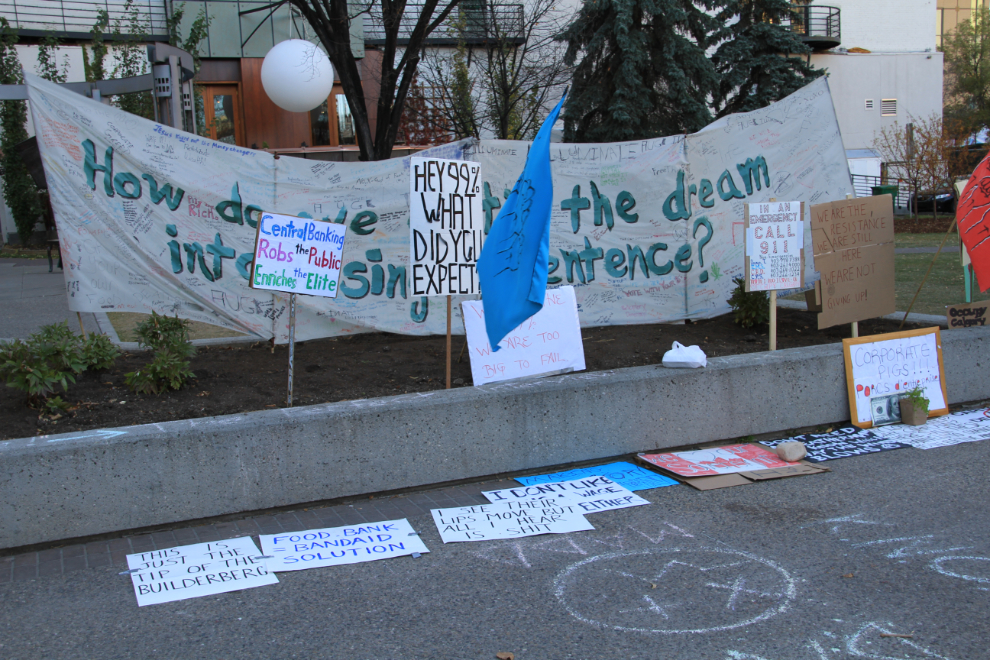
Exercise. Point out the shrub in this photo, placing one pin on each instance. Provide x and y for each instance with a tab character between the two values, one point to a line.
99	352
159	332
25	370
750	307
166	371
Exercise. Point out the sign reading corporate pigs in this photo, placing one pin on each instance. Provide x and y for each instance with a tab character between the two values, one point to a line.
297	255
774	246
334	546
446	225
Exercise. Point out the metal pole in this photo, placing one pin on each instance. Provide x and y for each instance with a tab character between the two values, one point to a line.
448	341
292	342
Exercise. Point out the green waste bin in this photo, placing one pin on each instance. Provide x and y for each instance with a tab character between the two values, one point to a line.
886	190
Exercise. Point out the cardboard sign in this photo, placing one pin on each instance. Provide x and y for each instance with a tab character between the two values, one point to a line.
742	478
774	246
446	225
588	495
297	255
627	475
967	315
334	546
201	569
854	253
952	429
717	460
885	365
508	520
547	343
840	443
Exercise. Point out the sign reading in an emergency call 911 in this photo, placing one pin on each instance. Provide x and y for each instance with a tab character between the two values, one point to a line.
297	255
446	226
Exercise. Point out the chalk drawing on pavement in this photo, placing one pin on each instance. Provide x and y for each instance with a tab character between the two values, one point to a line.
954	568
674	591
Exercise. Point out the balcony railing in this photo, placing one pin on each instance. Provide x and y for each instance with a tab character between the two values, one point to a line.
473	23
818	25
75	18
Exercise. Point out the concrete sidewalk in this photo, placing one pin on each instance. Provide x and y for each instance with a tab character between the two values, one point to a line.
31	297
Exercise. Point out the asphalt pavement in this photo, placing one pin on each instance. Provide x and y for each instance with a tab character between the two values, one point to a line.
887	556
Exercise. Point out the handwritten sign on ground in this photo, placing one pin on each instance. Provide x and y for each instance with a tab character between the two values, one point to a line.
292	255
840	443
883	365
953	429
627	475
588	495
717	460
508	520
774	246
547	343
446	225
334	546
967	315
201	569
854	252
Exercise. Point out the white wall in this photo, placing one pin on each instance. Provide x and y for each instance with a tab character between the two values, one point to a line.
888	26
914	79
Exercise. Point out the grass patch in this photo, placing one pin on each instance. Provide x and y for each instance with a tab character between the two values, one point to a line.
944	285
17	252
125	324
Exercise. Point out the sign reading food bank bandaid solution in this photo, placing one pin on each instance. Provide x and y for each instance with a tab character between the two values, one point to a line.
297	255
446	226
352	544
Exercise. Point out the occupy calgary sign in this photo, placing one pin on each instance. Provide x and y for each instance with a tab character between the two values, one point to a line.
151	218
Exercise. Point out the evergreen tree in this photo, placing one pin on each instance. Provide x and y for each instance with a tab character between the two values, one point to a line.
967	63
18	187
759	59
643	69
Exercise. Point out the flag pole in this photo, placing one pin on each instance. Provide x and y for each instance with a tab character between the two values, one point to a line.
448	341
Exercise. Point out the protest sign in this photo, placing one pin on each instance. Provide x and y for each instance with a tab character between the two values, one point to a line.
888	364
295	255
334	546
547	343
446	226
840	443
508	520
774	246
627	475
854	252
201	569
952	429
717	460
967	315
651	230
974	226
589	495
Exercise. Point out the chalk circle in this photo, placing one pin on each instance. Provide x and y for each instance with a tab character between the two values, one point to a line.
937	565
729	588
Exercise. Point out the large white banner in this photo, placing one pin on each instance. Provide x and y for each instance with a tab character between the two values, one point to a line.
151	218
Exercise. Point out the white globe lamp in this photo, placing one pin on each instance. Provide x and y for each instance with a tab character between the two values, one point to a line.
297	76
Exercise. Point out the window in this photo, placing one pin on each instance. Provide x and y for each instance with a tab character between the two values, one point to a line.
869	104
333	123
888	107
218	113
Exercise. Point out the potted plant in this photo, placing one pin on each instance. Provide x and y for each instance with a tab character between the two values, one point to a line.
914	406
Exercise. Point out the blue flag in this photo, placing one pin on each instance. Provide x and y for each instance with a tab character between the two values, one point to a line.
512	268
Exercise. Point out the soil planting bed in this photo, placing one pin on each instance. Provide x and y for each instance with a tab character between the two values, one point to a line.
251	377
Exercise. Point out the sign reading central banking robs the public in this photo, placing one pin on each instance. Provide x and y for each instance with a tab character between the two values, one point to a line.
297	255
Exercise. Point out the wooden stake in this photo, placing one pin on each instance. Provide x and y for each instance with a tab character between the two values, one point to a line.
448	342
81	327
292	343
773	320
855	324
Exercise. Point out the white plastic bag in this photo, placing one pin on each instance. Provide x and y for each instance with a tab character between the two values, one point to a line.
687	357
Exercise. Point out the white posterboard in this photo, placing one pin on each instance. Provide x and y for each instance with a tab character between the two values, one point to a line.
201	569
508	520
547	343
297	255
774	246
446	226
588	495
333	546
890	364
